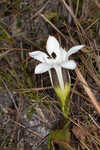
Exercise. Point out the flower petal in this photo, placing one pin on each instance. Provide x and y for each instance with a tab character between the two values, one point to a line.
42	67
63	54
38	55
52	45
74	49
69	65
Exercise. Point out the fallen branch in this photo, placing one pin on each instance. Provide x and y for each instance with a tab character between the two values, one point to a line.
88	90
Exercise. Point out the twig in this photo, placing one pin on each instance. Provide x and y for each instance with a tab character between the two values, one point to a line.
77	23
31	90
72	14
18	115
88	90
33	133
53	26
97	3
10	94
37	145
40	11
5	53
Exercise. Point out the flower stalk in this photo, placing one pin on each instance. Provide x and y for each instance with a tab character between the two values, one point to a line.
60	77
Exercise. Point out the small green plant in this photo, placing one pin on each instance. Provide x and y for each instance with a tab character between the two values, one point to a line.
58	58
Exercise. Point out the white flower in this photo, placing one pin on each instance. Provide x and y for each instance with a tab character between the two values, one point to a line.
58	58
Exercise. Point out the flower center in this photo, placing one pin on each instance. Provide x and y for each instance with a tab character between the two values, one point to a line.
53	55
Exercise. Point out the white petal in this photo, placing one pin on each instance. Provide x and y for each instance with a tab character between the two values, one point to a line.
38	55
63	55
41	68
74	49
52	45
69	65
50	61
